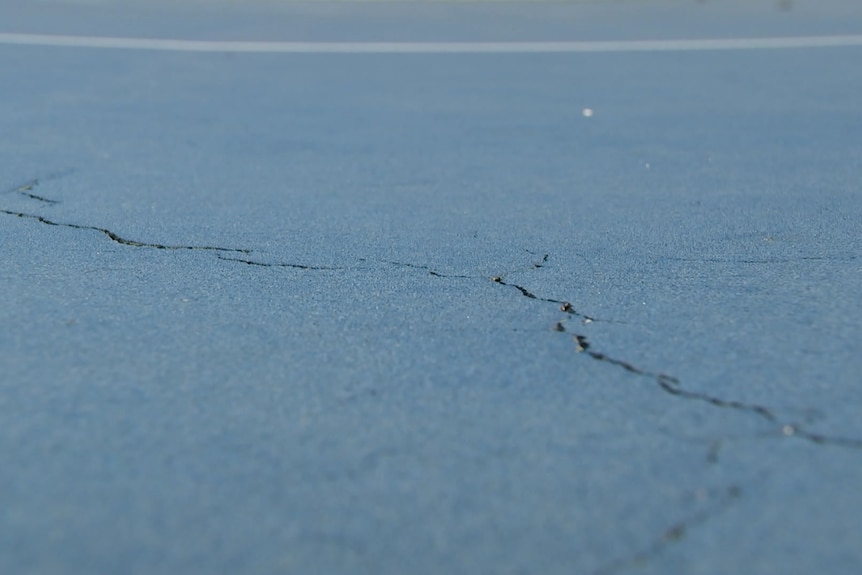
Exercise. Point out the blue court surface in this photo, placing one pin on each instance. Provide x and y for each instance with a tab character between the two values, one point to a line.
381	288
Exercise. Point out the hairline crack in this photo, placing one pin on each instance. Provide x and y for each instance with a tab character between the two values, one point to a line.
113	236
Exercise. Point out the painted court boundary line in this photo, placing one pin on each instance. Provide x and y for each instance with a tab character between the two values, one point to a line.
429	47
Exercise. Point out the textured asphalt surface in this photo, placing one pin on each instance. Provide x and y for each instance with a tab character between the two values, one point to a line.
419	313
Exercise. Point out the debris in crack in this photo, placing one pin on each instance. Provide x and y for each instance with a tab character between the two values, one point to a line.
675	532
672	386
278	264
669	384
564	305
581	344
117	238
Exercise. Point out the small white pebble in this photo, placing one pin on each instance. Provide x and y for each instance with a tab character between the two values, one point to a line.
788	430
587	112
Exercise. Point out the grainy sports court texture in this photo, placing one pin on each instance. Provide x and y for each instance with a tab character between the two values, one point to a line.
381	288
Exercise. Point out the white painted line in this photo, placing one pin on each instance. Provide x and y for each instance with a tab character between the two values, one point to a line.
429	47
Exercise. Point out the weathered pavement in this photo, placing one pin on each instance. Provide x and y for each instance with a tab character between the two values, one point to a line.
387	313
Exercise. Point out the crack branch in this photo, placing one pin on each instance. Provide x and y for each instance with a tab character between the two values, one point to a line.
667	383
26	189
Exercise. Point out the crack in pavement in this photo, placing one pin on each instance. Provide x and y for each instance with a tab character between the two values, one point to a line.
564	305
539	264
673	386
279	264
675	533
431	271
774	260
116	237
26	189
668	384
